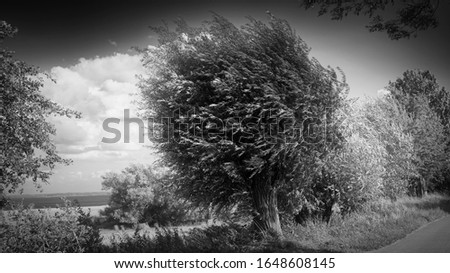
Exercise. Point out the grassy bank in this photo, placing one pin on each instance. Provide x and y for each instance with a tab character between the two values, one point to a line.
377	224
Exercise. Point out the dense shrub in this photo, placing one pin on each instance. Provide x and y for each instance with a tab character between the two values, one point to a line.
392	122
141	195
163	213
429	144
131	191
428	105
354	171
375	157
66	229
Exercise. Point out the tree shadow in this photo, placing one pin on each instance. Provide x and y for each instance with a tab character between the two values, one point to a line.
444	205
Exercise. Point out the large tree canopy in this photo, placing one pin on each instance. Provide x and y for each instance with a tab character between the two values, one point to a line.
410	16
27	149
416	83
238	111
429	107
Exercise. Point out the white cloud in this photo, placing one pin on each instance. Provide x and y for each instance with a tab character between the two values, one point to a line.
99	88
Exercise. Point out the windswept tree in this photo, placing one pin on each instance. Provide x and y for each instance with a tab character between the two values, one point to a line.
408	19
27	148
238	111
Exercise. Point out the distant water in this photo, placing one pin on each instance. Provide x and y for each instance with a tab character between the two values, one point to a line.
54	200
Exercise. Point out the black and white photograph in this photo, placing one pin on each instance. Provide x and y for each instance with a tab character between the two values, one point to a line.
317	127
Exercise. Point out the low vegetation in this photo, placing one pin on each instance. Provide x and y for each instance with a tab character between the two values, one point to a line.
67	229
70	229
375	225
141	194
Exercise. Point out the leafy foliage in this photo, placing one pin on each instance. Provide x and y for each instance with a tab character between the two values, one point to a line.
375	158
27	149
139	195
429	107
238	111
355	171
416	83
391	122
429	142
67	229
410	18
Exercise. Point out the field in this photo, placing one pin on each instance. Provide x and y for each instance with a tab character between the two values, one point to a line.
54	200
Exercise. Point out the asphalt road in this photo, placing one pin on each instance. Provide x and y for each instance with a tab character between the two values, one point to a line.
431	238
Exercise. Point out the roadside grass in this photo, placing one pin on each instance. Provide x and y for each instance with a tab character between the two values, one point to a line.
377	224
224	238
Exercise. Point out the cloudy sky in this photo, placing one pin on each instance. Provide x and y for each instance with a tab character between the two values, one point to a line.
87	48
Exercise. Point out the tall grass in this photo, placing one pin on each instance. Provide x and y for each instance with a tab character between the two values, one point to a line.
377	224
65	229
225	238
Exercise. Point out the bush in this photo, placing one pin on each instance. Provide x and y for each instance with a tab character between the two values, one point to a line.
374	157
391	121
351	173
141	195
67	229
163	213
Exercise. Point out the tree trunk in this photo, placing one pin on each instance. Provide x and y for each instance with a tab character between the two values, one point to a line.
266	217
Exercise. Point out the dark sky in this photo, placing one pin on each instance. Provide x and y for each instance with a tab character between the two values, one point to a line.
61	32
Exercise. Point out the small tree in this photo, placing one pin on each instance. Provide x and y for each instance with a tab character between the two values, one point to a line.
139	194
27	149
131	190
238	111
